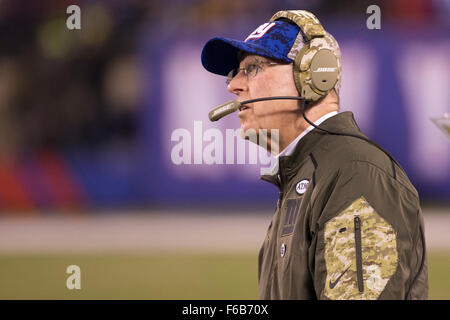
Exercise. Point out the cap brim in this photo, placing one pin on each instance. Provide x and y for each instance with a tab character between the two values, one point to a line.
220	55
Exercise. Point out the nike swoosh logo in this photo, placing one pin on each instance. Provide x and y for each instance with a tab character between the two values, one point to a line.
333	284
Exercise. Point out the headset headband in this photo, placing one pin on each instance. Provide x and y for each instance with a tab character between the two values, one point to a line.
306	21
316	67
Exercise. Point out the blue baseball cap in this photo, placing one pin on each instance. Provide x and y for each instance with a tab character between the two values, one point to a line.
272	40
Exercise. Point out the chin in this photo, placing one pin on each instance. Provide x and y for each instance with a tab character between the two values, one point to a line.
249	134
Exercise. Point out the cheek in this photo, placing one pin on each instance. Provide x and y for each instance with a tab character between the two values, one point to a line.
276	84
264	109
267	113
266	87
255	119
282	82
263	90
285	87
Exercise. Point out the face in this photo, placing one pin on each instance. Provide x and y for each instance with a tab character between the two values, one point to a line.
270	80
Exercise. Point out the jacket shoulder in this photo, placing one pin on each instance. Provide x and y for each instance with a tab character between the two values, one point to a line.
339	152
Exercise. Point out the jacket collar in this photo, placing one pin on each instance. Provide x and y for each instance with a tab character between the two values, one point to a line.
343	122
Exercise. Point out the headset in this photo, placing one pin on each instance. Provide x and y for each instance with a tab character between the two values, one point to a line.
316	67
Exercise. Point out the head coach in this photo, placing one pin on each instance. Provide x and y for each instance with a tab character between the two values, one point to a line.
348	223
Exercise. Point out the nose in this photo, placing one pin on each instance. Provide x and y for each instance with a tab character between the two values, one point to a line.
237	85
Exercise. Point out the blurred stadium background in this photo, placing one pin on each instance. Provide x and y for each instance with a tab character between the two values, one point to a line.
86	118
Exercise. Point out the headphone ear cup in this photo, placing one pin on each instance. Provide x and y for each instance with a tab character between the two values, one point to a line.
302	74
316	70
297	75
324	71
298	70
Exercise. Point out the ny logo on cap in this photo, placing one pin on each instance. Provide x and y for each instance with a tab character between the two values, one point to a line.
260	31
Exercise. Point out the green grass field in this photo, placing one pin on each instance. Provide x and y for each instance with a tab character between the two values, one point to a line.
155	276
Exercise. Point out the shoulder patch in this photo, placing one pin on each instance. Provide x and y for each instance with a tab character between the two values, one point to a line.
360	253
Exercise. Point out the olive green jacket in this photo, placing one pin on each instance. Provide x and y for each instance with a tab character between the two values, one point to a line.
348	223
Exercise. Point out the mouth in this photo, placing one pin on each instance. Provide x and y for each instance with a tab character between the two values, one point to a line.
243	107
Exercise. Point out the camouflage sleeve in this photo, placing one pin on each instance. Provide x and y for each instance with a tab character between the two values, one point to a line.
360	253
365	243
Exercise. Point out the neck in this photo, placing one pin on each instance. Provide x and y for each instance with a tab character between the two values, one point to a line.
288	134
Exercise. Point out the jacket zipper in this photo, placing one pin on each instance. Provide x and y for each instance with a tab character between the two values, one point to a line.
359	271
280	199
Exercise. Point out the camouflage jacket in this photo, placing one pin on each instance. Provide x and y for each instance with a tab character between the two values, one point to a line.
348	223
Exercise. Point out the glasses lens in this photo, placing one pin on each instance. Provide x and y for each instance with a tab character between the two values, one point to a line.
252	69
231	75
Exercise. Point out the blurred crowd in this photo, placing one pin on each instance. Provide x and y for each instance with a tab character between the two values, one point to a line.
67	88
63	88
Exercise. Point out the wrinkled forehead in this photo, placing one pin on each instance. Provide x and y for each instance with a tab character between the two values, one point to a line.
244	57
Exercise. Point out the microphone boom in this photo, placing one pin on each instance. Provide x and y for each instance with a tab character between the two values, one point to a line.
233	105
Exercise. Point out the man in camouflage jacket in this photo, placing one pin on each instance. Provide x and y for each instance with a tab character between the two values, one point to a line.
348	223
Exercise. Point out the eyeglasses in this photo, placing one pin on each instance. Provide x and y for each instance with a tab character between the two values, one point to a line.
250	70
